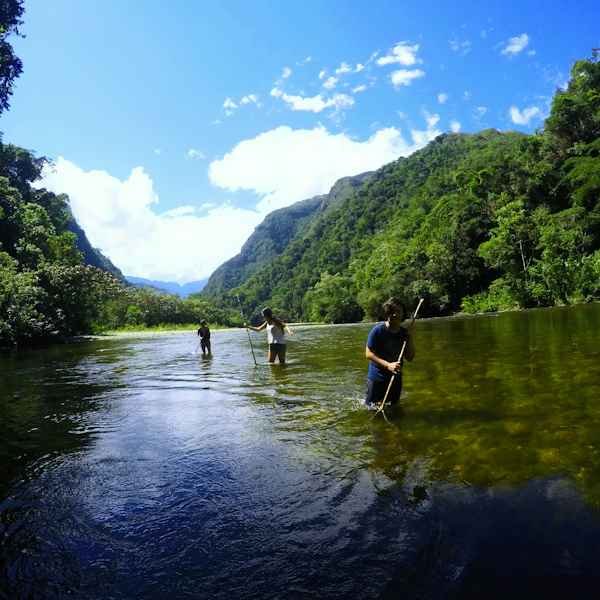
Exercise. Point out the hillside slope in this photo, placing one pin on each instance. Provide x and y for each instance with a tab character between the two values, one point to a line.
481	221
274	234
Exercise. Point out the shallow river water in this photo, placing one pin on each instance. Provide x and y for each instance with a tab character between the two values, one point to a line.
135	468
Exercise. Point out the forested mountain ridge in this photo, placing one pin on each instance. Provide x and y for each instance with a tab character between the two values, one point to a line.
481	221
274	234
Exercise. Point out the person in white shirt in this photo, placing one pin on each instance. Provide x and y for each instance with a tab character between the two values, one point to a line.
275	335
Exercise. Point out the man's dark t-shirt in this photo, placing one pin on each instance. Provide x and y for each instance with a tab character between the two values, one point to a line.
387	345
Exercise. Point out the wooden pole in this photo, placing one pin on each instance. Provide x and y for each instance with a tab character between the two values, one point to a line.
249	338
389	387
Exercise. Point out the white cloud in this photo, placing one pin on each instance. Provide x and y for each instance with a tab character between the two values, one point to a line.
515	45
304	61
402	53
531	53
121	218
455	126
285	165
249	99
281	166
431	120
286	72
442	97
405	76
314	104
523	117
359	67
322	73
359	88
462	47
480	111
180	211
330	83
157	151
229	105
192	153
466	95
343	68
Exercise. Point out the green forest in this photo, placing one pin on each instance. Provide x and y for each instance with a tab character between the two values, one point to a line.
472	222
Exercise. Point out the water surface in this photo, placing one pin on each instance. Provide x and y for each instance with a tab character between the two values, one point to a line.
136	468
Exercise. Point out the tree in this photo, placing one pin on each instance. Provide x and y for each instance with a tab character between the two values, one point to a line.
11	66
331	300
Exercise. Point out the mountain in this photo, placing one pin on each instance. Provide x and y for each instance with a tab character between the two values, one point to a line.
471	222
91	256
275	233
193	287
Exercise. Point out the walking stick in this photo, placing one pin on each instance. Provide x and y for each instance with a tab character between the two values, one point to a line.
249	338
389	387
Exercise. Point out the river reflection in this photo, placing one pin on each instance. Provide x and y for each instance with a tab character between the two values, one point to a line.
135	467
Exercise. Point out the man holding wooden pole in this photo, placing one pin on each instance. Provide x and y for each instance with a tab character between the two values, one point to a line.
388	344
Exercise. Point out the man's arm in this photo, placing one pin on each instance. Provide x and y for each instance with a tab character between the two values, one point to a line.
392	367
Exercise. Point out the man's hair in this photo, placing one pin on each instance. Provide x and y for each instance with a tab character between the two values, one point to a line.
392	305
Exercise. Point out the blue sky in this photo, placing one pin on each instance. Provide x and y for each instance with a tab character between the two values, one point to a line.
175	127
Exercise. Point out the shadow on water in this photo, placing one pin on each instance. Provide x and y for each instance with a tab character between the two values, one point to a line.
138	468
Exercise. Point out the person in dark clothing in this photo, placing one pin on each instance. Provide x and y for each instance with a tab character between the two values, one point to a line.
383	348
204	333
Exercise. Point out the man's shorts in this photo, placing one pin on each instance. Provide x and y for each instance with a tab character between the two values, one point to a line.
376	391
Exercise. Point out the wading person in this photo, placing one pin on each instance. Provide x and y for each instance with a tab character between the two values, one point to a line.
275	335
384	344
204	333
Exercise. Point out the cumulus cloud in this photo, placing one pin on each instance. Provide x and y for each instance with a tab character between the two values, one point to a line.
480	111
193	153
330	83
322	73
455	126
402	53
229	105
285	165
180	211
515	45
286	72
281	166
359	88
405	77
157	151
249	99
431	120
462	47
442	97
122	218
314	104
343	68
523	117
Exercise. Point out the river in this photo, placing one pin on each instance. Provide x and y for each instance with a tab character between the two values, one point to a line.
136	468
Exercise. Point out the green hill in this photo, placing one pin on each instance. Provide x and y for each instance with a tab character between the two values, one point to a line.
475	222
274	234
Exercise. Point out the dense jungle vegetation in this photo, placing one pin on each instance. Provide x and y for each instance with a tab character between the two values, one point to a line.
481	222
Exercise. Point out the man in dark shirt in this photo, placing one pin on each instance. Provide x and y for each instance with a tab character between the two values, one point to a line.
383	348
204	333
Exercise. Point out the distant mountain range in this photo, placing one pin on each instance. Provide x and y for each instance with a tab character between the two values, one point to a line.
193	287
